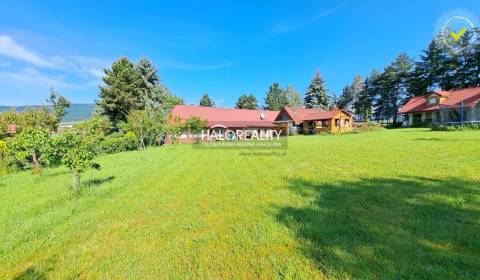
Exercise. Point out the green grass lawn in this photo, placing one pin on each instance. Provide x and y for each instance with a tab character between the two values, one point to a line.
390	204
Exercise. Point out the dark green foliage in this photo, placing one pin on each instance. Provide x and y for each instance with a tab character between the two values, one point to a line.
276	98
448	67
392	88
128	87
456	127
121	92
317	96
364	105
206	101
246	101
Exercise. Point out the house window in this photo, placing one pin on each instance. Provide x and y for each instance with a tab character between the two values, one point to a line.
337	122
432	100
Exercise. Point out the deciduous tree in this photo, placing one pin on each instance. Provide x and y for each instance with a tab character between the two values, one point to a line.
293	97
77	152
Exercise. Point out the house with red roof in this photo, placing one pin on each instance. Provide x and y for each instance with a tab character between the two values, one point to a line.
222	119
454	106
313	121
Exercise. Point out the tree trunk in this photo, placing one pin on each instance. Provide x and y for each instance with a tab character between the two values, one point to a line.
142	141
76	180
36	163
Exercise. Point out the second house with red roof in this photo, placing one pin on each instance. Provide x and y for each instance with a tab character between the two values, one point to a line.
455	106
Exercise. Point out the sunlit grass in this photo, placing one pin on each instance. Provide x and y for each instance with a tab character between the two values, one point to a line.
388	204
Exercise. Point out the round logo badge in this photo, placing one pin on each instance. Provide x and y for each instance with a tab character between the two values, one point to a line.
454	26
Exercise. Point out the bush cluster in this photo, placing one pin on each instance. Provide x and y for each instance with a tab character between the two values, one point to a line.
116	143
456	127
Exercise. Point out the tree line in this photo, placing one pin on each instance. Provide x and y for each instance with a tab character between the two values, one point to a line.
445	64
442	66
277	97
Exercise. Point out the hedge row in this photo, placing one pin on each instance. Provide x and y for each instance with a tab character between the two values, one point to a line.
456	127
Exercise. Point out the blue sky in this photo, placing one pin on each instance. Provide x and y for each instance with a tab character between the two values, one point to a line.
225	48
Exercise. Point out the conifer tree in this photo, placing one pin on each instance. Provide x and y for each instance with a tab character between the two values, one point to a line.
276	98
206	101
316	96
121	92
247	101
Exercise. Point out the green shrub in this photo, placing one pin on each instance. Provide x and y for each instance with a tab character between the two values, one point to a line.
422	124
456	127
119	143
395	125
3	149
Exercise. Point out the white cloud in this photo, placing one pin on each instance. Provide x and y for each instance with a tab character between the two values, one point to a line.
81	65
32	76
10	48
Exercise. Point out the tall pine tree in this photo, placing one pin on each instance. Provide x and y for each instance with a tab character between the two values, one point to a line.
364	104
317	96
122	91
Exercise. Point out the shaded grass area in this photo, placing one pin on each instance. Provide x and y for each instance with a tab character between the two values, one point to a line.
390	228
389	204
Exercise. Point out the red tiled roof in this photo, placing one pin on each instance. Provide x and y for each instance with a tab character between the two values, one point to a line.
469	96
235	118
304	114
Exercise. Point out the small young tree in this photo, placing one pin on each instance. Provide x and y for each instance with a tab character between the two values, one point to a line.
147	125
138	123
174	127
77	152
59	104
31	146
195	125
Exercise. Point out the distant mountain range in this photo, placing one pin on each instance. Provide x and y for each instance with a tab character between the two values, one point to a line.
76	112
